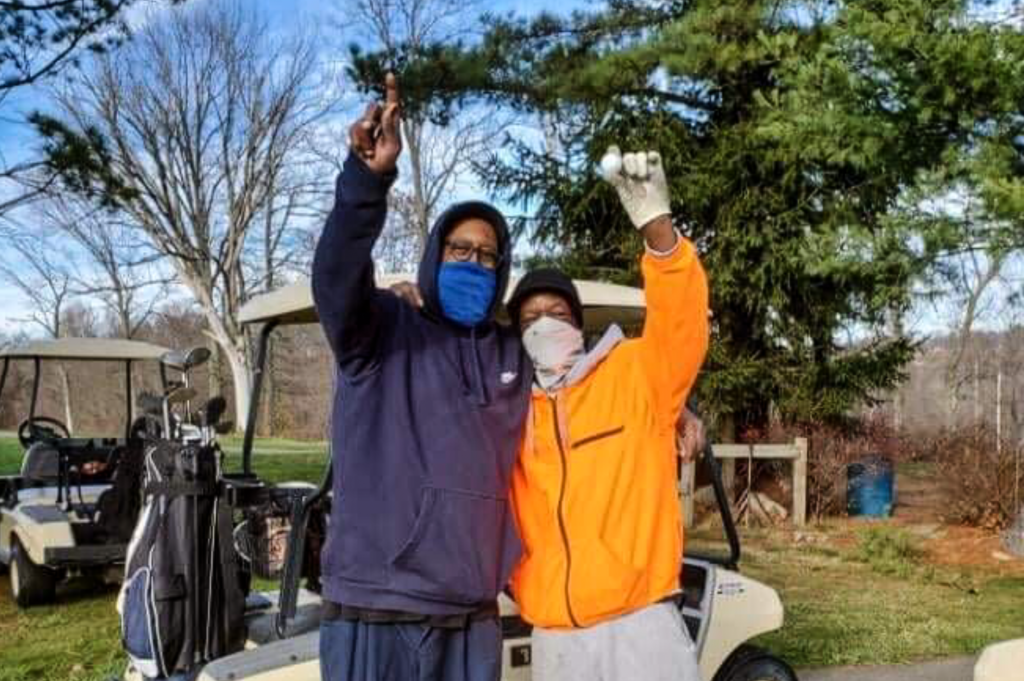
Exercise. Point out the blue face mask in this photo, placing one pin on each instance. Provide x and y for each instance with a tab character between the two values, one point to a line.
466	290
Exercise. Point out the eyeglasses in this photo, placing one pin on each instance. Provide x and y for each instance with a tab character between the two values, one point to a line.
464	250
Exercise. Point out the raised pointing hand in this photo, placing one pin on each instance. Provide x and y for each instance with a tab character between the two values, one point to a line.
376	137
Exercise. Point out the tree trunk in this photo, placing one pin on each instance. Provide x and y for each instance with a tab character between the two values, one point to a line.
977	389
213	378
242	382
413	139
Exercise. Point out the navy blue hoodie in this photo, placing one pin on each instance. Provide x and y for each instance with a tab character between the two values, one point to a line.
427	422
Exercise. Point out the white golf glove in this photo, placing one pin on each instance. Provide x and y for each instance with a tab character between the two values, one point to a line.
639	179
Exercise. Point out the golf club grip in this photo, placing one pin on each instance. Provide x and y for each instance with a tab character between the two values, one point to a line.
214	409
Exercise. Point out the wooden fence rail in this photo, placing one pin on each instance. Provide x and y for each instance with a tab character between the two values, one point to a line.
729	453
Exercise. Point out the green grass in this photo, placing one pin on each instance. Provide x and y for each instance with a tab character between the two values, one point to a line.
75	639
889	551
844	610
274	459
279	460
873	602
10	456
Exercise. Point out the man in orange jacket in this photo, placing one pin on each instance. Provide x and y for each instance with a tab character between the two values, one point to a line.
594	489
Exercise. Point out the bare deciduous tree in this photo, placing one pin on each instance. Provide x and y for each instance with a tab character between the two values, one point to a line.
205	115
123	270
42	272
435	157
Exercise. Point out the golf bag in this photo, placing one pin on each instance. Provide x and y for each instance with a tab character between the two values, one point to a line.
182	603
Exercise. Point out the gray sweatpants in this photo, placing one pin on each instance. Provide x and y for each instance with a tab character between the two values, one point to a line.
647	645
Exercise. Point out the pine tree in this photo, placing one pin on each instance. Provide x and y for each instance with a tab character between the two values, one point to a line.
792	133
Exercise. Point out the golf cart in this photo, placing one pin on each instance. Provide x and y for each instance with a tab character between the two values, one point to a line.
722	608
1000	661
72	507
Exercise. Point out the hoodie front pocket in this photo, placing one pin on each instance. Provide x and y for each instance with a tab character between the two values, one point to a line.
458	548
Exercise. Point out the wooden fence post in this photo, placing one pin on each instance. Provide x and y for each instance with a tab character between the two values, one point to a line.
800	483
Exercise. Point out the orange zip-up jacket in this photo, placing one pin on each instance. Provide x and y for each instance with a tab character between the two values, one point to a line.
594	490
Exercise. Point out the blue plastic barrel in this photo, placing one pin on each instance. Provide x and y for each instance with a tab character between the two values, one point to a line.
870	487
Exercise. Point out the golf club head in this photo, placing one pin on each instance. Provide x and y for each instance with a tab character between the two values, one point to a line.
179	395
184	360
197	356
211	412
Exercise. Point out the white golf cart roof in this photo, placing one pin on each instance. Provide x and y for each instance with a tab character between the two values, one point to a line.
603	303
86	349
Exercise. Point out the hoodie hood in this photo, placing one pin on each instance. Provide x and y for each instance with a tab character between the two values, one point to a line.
434	251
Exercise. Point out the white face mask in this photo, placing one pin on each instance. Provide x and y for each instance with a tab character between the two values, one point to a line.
554	346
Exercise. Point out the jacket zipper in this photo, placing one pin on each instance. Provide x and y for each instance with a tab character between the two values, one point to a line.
561	517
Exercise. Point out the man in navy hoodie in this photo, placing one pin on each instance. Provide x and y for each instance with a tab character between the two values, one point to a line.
427	418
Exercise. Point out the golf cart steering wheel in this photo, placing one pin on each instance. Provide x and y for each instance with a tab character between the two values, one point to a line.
41	428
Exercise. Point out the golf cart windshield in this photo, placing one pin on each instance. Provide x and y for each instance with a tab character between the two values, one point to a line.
53	457
78	350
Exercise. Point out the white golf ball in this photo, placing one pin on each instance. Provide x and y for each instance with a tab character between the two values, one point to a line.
611	164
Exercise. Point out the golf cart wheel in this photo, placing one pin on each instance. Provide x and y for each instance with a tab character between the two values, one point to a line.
750	663
31	584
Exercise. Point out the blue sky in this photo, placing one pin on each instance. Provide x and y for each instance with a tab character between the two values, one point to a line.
17	142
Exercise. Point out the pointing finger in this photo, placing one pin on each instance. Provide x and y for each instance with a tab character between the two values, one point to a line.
391	90
389	123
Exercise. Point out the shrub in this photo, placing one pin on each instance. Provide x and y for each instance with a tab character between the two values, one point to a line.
981	481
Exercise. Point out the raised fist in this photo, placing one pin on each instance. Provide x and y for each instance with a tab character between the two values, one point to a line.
639	179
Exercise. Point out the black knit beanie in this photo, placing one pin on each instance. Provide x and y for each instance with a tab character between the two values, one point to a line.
545	280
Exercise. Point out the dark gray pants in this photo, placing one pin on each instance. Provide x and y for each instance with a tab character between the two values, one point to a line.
356	651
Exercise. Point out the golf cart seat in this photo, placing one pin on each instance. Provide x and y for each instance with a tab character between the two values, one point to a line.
118	507
41	462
